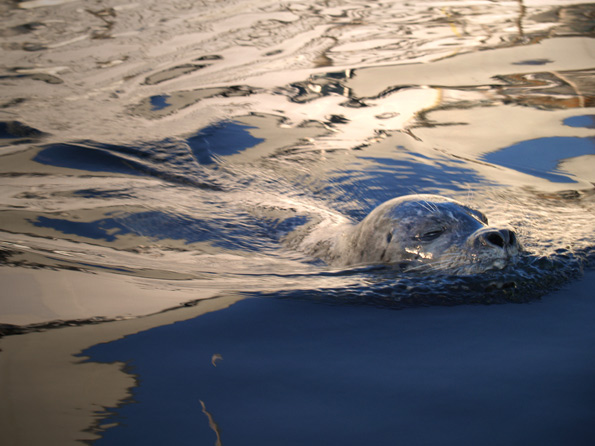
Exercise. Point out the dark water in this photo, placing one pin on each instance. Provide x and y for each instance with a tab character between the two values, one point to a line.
154	157
300	373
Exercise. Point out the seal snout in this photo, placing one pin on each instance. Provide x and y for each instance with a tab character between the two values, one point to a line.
498	240
502	238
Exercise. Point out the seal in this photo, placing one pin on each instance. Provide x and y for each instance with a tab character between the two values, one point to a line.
423	232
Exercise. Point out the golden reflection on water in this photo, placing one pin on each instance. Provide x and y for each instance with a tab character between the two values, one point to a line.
448	83
159	50
212	424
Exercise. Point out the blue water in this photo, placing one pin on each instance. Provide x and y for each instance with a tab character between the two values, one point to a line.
159	102
223	139
299	373
226	138
587	121
540	157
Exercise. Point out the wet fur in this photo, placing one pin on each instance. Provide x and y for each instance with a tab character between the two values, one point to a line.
393	233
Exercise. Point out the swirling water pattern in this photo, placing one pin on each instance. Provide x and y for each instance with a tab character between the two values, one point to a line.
225	129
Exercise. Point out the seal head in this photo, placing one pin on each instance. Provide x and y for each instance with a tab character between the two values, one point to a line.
429	232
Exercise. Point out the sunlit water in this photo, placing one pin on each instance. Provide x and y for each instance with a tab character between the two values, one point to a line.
184	159
155	154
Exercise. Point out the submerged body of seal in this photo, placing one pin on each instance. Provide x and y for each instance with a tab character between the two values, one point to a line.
426	232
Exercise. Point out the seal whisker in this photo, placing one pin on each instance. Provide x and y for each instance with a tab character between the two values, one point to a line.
435	266
433	206
470	194
444	263
428	206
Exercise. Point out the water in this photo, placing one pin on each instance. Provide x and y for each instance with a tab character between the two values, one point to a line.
298	373
159	156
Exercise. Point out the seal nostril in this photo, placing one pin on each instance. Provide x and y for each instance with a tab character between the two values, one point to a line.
511	238
495	238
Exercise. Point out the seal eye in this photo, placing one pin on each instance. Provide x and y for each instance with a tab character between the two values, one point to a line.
430	235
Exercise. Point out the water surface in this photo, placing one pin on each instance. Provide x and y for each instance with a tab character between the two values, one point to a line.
159	156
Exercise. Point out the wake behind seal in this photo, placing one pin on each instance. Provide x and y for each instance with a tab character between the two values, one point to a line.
426	232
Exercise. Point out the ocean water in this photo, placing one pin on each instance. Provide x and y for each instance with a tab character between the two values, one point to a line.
272	371
155	157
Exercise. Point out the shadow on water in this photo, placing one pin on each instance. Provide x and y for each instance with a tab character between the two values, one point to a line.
541	157
161	158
